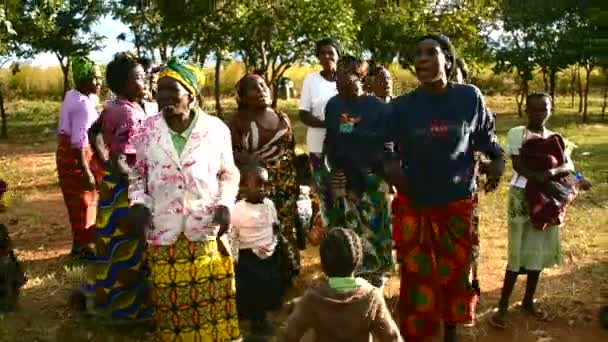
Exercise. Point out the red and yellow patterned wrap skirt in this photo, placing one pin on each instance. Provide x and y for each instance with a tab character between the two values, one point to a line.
435	255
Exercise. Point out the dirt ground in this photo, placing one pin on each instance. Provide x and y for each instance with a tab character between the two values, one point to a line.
37	220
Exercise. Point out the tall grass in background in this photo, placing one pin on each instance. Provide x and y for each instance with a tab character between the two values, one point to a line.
32	83
47	83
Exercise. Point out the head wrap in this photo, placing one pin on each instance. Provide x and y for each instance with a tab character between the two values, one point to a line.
190	76
83	69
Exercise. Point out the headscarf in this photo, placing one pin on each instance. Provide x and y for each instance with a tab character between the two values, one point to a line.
189	75
83	69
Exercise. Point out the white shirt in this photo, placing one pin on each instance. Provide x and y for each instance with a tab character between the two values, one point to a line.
252	228
316	91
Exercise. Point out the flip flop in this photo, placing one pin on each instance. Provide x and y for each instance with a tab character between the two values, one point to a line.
497	321
540	315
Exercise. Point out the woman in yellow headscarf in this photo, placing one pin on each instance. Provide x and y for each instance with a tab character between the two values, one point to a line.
183	188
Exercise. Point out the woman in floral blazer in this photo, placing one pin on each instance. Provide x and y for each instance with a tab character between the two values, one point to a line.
184	185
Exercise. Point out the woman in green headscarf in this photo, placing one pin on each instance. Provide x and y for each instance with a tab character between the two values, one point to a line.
183	188
76	165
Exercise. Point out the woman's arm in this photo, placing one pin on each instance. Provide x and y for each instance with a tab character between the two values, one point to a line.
228	178
96	141
79	139
305	112
300	320
383	326
310	120
485	140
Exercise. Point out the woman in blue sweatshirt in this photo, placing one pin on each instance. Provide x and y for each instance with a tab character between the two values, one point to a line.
438	127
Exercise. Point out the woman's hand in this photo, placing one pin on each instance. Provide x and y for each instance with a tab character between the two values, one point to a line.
222	218
495	170
140	216
584	184
89	181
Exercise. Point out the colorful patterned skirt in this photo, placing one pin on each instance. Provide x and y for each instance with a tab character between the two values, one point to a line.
435	256
367	214
285	194
194	292
118	286
81	203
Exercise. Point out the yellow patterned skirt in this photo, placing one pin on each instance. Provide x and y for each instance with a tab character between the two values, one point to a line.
194	292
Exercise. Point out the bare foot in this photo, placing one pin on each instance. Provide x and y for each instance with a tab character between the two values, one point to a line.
498	320
533	311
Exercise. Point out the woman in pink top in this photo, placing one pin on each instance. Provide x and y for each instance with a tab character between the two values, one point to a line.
75	162
118	281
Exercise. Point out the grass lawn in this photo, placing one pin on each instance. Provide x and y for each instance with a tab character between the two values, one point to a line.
37	220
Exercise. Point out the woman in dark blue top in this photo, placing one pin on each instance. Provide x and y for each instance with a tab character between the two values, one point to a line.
438	127
354	146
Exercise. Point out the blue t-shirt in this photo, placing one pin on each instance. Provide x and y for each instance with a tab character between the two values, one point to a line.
356	132
437	136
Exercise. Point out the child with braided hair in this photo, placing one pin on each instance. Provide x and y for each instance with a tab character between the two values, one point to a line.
343	308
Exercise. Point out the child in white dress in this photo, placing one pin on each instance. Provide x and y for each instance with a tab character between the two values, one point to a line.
255	225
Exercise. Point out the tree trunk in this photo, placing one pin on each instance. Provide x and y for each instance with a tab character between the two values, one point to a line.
552	75
588	70
572	85
4	131
521	96
163	54
579	89
65	68
217	90
545	80
603	105
275	93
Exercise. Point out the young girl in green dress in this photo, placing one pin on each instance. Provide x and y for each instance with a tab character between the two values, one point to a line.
530	249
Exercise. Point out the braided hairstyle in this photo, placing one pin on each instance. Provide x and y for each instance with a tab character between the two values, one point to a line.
341	253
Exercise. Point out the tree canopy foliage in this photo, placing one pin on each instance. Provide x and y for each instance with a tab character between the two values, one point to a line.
271	36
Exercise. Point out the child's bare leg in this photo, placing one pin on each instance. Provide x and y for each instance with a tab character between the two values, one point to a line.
528	303
498	320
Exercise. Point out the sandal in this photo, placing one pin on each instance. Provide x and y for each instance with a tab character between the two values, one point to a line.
538	314
498	321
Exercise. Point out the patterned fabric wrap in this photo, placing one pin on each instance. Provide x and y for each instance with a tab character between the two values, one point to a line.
81	203
189	75
367	215
194	292
83	69
118	285
435	256
320	197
